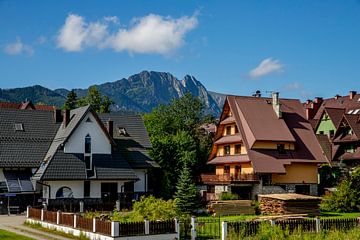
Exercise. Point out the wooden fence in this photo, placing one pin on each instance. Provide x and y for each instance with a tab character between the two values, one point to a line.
132	229
108	228
306	225
339	224
245	228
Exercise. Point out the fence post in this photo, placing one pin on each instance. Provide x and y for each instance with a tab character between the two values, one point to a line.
75	221
42	215
272	222
27	211
193	228
147	226
81	203
94	224
318	227
177	228
115	229
223	230
58	217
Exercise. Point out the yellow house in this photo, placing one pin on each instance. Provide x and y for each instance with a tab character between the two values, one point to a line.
261	146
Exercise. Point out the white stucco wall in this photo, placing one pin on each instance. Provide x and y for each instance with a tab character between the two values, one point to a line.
99	141
2	177
77	188
142	184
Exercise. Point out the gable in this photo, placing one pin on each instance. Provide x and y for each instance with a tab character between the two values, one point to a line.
325	125
88	126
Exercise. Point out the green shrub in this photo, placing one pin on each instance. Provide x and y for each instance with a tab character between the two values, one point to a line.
347	196
228	196
150	208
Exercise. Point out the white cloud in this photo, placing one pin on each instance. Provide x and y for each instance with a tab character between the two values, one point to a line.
292	86
18	47
149	34
266	67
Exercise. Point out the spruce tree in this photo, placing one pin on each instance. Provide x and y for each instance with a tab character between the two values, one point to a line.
186	196
71	101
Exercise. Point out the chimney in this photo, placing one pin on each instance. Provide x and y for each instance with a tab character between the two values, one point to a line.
66	117
276	104
57	115
337	96
318	100
352	94
110	127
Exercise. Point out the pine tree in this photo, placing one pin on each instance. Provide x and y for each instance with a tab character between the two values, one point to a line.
71	101
186	196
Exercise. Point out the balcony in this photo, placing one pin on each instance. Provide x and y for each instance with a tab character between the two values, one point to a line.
228	178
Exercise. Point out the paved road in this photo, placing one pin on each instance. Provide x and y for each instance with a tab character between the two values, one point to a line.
14	223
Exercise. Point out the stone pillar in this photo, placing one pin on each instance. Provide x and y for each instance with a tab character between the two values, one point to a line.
27	211
224	230
42	215
94	224
75	220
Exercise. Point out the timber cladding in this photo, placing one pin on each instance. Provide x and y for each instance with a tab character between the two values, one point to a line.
292	203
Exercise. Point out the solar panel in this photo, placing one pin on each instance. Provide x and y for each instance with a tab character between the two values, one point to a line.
18	181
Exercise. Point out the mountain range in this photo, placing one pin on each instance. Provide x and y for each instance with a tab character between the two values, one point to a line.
139	93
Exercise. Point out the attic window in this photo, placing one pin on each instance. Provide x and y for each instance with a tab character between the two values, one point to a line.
122	131
281	148
19	127
88	120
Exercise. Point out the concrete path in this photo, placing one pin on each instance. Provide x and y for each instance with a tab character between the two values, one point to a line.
14	223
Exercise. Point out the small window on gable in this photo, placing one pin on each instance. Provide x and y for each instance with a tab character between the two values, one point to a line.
88	119
238	149
19	127
321	132
227	150
88	144
228	130
226	169
331	133
281	148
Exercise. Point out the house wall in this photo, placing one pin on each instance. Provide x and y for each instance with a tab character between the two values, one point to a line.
142	184
99	142
297	173
325	125
77	188
246	168
272	145
232	129
220	149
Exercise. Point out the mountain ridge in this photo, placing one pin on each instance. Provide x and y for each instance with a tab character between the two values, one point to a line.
140	92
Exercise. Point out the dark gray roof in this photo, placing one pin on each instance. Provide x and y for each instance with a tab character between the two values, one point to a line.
25	148
134	145
70	166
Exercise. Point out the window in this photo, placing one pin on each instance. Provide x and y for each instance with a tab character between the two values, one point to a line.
19	127
281	148
64	192
88	144
227	150
238	149
321	132
226	169
236	129
88	163
88	119
331	133
228	130
86	188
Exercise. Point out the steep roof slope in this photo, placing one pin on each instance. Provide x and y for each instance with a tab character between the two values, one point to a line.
26	147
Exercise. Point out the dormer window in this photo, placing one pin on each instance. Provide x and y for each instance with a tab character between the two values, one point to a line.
19	127
122	131
228	130
88	144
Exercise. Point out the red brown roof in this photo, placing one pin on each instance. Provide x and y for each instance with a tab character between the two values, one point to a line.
26	105
242	158
229	139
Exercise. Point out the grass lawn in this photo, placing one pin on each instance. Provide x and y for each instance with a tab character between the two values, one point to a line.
339	215
5	235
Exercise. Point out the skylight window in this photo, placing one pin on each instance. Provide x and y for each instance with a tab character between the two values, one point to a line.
122	131
350	112
19	127
356	111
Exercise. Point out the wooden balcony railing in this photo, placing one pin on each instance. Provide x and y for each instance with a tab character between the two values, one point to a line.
228	178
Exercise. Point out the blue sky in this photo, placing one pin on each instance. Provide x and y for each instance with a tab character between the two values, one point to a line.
302	48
